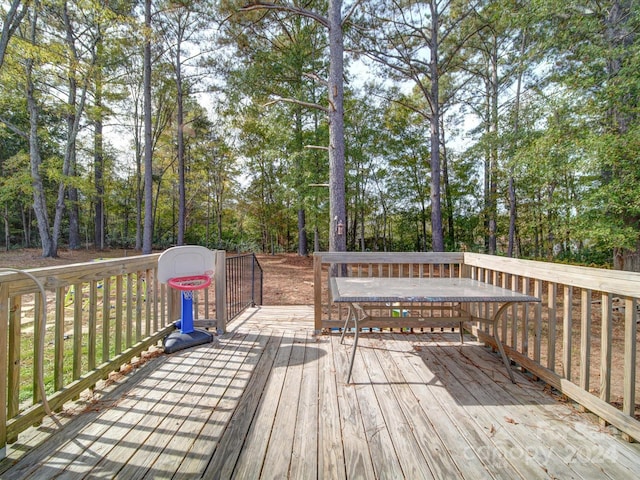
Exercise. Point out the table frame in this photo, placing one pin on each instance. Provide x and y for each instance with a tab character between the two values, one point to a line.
420	294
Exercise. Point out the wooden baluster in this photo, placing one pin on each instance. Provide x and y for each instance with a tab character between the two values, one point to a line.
37	340
92	324
58	360
552	314
138	304
515	282
567	325
133	296
147	301
129	317
585	338
4	357
537	341
77	330
606	343
119	305
630	353
13	377
106	318
524	333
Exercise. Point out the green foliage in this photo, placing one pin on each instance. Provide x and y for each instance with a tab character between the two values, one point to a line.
568	143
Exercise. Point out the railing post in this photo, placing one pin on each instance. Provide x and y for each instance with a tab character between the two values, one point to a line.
630	354
4	317
317	291
261	284
221	288
253	281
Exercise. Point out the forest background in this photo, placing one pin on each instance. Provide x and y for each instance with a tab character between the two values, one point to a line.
502	126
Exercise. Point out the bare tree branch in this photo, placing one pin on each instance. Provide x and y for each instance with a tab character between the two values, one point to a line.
297	102
286	8
350	12
316	78
14	129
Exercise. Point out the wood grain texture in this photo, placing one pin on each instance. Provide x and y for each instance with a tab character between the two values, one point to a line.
268	400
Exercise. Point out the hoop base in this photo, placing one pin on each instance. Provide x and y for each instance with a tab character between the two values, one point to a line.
177	340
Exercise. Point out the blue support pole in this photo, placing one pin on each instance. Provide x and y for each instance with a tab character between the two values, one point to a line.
187	336
186	322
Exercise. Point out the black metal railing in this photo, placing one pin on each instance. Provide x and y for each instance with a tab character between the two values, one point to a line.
244	284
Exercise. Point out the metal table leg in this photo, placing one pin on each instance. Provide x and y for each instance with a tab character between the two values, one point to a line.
505	360
352	311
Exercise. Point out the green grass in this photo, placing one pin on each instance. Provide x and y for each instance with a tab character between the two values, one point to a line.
27	351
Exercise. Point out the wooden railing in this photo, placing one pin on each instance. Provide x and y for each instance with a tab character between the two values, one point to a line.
357	264
99	316
244	283
582	338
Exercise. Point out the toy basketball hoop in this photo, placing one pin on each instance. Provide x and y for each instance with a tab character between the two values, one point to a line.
189	284
186	269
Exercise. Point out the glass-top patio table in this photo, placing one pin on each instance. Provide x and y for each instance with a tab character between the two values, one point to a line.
362	292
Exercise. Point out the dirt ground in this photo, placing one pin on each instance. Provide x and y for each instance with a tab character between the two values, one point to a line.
32	257
288	278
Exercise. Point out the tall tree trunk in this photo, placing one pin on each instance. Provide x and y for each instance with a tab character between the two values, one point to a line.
362	230
76	107
73	208
74	216
437	234
182	205
493	152
303	249
7	234
487	168
511	249
513	206
620	38
448	203
138	178
337	207
25	215
49	246
147	237
98	176
12	20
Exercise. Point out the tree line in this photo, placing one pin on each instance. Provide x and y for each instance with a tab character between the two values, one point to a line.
503	126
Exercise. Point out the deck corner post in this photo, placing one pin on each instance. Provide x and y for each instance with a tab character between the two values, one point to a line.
221	287
317	291
4	356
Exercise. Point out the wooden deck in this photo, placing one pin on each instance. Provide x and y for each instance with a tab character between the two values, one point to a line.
268	400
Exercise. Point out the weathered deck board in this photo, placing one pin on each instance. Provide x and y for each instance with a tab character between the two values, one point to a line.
269	400
198	456
493	413
471	445
576	438
373	440
436	433
402	453
331	460
304	454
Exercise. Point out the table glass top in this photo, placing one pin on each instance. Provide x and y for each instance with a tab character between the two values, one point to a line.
384	289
